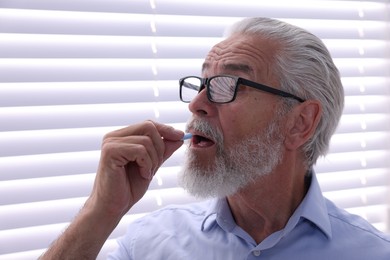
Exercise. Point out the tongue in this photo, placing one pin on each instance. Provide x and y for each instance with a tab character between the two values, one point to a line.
204	142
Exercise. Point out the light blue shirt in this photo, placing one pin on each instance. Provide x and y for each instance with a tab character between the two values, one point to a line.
317	230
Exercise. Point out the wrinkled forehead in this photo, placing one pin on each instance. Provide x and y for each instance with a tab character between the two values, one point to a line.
240	55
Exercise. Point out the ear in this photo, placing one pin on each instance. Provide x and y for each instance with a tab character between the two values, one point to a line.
302	123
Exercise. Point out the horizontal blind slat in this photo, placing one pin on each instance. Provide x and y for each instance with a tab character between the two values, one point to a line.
33	21
363	141
17	143
92	46
363	122
58	164
116	6
323	9
78	93
66	70
345	180
353	161
44	70
63	210
359	197
20	241
68	186
356	85
81	46
122	115
80	116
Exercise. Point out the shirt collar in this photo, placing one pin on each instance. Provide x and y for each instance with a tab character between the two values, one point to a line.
211	214
313	208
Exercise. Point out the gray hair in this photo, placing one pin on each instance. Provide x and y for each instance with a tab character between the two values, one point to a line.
304	68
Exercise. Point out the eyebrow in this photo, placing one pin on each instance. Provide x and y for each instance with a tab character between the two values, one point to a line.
233	67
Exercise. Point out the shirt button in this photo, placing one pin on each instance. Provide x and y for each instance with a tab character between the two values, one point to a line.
256	252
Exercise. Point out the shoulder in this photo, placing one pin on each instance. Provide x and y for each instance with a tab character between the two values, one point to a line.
191	210
173	216
347	225
163	230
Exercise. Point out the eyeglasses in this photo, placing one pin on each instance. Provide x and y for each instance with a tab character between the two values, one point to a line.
223	88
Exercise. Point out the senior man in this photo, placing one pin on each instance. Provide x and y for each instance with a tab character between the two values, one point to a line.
264	109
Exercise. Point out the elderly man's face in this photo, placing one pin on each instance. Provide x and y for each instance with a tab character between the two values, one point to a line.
237	142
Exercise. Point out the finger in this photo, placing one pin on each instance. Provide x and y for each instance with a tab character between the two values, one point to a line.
149	128
135	145
173	139
150	147
137	129
168	132
146	128
159	133
171	147
144	162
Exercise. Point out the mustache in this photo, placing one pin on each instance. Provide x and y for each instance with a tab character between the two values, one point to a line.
204	127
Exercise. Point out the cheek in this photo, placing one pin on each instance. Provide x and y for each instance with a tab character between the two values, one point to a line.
230	124
249	114
239	124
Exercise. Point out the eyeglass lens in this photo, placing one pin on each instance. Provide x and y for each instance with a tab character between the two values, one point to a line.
221	89
190	88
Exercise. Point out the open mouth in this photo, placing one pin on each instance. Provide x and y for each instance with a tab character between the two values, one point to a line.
202	141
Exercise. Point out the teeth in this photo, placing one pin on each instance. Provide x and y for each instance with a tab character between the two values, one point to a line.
203	141
203	144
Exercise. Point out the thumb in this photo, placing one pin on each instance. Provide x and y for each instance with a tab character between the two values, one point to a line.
172	139
167	132
171	147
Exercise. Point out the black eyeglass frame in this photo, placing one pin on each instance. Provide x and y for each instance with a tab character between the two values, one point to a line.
205	82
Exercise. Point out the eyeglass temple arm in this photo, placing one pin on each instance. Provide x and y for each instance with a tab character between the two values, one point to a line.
270	90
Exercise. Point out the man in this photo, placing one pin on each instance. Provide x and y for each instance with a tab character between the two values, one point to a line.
264	110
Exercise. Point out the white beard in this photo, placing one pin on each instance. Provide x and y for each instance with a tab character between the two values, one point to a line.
233	168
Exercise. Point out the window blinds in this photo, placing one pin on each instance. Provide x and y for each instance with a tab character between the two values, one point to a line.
70	71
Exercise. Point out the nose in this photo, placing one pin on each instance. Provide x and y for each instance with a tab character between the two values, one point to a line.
201	105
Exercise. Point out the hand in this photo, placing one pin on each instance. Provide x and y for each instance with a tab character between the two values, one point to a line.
129	159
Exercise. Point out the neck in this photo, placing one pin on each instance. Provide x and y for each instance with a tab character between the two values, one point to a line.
266	205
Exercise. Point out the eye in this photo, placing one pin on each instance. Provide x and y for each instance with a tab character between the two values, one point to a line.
222	88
